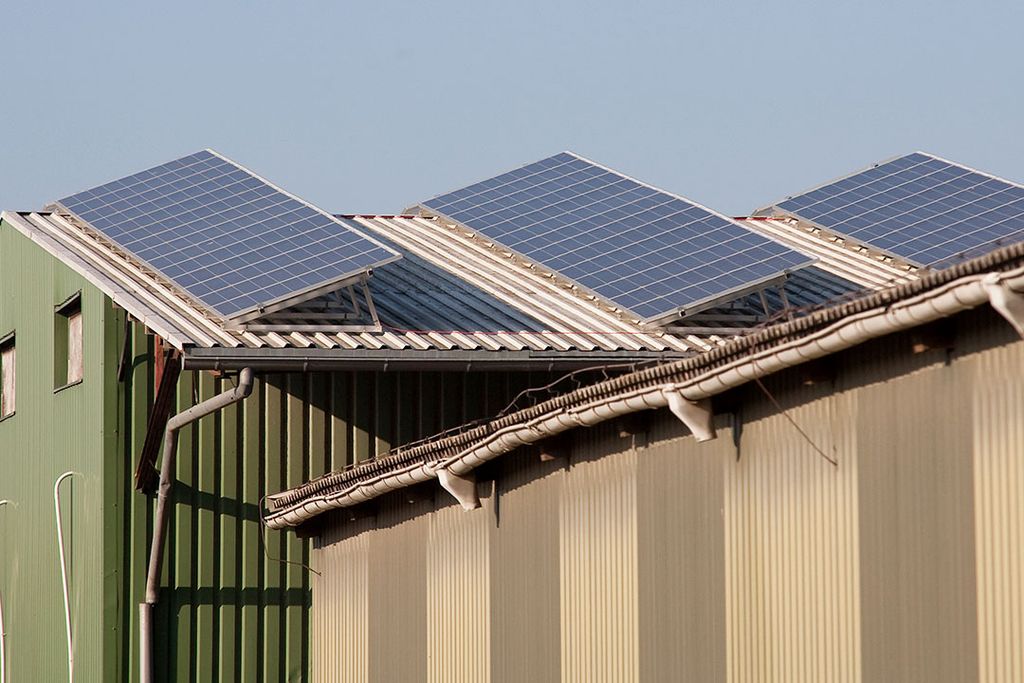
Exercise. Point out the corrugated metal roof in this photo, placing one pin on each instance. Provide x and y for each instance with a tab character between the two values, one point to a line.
446	294
842	257
453	290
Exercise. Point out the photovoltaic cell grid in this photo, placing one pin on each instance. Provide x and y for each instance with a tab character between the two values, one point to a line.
918	207
648	251
228	238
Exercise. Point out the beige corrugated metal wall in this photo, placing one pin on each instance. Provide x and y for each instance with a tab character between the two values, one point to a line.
343	610
791	542
598	560
525	621
458	596
647	556
680	541
999	515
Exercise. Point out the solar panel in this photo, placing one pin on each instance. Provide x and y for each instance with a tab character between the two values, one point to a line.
646	250
918	207
226	236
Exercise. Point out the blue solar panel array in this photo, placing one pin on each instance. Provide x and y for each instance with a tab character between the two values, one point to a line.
228	238
648	251
918	207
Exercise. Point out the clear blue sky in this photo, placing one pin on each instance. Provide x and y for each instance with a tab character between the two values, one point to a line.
370	106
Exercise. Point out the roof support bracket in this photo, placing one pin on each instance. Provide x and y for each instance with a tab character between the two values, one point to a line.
369	301
461	486
1008	303
696	415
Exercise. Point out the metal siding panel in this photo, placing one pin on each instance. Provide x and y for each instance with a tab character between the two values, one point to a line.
598	562
458	595
361	402
916	517
295	588
398	595
791	552
386	406
228	546
179	611
274	426
525	618
253	411
681	556
318	404
206	546
998	418
341	421
340	635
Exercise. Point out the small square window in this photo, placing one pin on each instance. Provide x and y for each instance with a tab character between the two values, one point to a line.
68	362
7	376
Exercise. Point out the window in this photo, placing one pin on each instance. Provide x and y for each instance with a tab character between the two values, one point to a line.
7	369
67	343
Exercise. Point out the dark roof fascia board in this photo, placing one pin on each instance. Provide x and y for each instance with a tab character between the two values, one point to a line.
309	360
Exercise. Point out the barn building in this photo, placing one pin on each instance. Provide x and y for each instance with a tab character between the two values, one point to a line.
558	424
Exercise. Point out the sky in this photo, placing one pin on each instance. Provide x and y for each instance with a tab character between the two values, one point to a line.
370	107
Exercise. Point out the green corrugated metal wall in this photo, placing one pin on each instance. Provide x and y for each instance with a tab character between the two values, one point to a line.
227	611
52	432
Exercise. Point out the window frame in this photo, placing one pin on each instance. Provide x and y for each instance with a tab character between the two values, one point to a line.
68	322
8	342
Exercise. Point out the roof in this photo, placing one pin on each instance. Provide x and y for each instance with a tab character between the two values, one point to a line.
454	292
449	293
456	295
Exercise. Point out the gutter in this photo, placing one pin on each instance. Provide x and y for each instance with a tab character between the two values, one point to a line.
300	360
683	386
163	508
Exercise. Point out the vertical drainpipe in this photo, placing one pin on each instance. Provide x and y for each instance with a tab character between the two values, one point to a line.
64	574
3	632
156	551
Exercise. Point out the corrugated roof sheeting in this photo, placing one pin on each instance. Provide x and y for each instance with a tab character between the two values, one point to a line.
453	290
836	255
441	296
582	321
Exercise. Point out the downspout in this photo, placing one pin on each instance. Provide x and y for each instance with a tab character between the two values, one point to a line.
163	507
3	633
64	575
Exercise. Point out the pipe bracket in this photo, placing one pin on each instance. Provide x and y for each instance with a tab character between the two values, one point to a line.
461	486
696	415
1008	303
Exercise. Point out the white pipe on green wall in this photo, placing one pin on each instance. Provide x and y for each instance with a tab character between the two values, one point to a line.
3	631
64	574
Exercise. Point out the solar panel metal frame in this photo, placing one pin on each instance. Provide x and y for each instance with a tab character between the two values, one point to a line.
774	209
666	317
279	303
